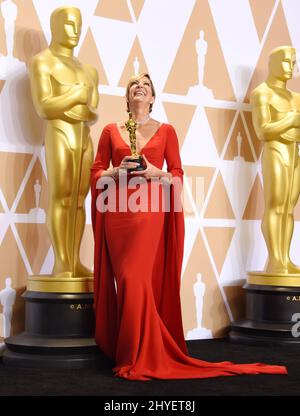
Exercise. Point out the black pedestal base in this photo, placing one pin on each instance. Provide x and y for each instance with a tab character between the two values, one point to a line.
271	316
59	332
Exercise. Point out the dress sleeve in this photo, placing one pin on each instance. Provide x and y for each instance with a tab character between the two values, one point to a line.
103	156
100	164
173	255
172	154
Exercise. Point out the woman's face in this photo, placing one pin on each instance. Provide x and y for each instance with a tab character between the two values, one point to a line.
141	92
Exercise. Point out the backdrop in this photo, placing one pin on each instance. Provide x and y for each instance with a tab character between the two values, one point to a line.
204	56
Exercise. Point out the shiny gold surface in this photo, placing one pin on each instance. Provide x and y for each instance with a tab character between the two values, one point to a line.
60	284
269	279
276	120
65	93
131	126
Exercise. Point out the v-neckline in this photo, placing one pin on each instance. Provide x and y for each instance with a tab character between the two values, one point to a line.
149	140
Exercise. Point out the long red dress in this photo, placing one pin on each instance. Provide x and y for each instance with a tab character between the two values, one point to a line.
137	266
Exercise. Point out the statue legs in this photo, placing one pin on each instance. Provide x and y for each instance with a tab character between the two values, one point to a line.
67	192
201	63
59	170
9	33
290	217
281	188
84	186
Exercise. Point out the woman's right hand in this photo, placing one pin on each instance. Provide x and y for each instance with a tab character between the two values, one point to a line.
125	164
122	169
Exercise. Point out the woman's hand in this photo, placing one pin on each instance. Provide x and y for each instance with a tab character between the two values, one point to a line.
125	164
120	170
151	171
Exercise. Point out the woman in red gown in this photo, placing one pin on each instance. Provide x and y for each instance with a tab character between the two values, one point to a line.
138	254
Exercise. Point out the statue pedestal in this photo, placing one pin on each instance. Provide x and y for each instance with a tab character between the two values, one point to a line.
199	333
37	215
8	65
59	326
271	302
200	92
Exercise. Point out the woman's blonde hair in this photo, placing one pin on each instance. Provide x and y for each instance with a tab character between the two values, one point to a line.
132	80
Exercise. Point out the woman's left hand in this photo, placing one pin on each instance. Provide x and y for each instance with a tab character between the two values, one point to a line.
151	171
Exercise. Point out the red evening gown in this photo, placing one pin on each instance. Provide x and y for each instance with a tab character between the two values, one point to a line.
138	258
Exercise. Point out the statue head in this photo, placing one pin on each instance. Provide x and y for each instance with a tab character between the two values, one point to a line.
65	23
281	62
199	277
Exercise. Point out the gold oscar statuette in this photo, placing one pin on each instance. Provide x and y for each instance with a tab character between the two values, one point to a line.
131	126
276	119
65	93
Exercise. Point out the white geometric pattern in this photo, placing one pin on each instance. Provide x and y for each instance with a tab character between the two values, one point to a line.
237	33
114	54
199	147
160	40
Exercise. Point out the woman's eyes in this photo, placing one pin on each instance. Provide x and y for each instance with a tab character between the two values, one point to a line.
145	83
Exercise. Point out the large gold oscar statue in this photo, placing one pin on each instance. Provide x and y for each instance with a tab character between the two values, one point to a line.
65	93
272	296
59	317
276	119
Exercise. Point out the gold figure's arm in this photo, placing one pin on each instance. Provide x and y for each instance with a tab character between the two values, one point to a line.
95	94
296	96
264	128
47	105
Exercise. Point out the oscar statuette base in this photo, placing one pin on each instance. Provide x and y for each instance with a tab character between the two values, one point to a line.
272	305
142	164
59	327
